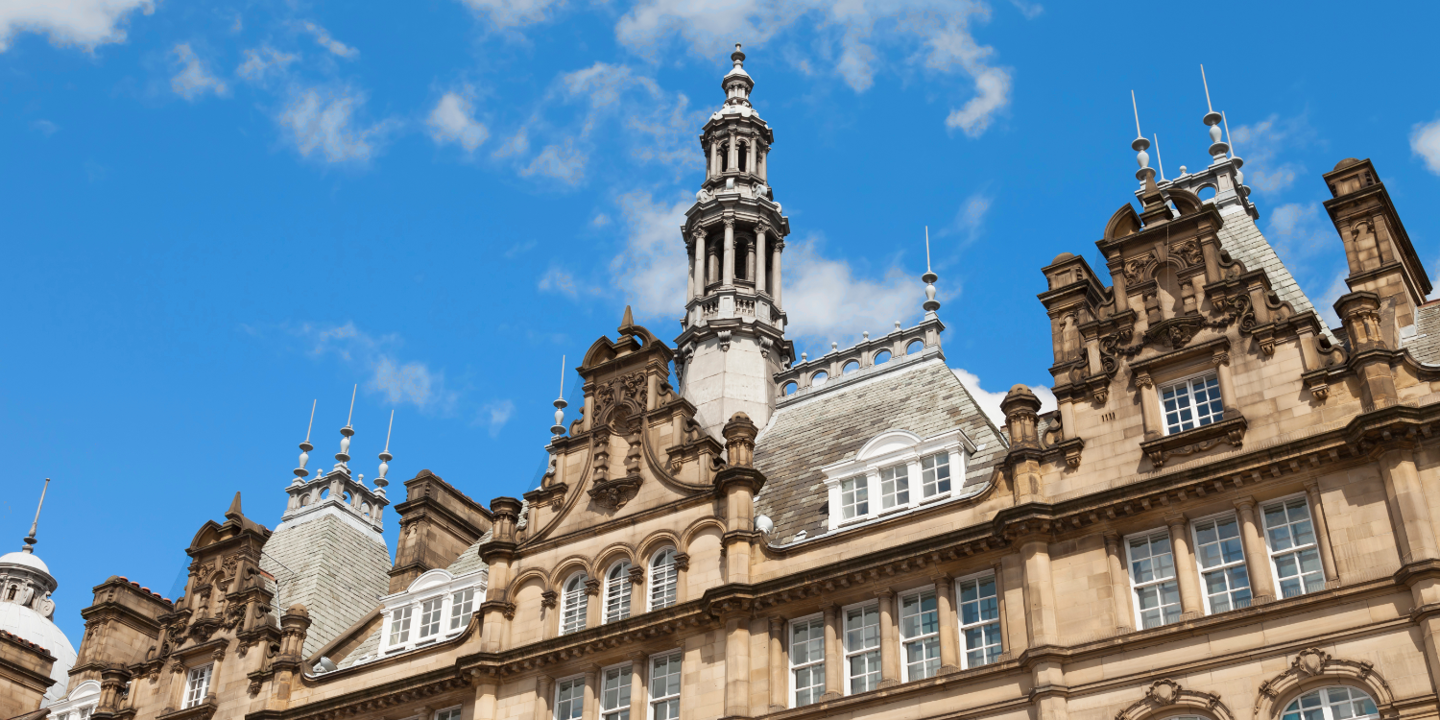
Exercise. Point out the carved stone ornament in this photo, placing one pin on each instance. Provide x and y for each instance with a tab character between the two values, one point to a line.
254	688
613	494
631	388
1189	252
637	574
1165	694
547	598
177	665
1189	442
1177	332
592	586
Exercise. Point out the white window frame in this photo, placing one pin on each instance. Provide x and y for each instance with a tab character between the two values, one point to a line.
652	700
197	684
1201	570
574	602
576	684
656	581
809	664
927	641
403	616
1130	574
625	686
438	583
1188	381
617	592
847	652
934	478
1327	705
1271	553
895	486
449	713
438	615
982	622
462	607
890	449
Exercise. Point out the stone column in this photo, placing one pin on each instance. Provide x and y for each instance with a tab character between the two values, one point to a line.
178	674
544	688
727	265
737	665
775	262
1191	606
1039	593
639	685
733	153
1119	582
764	160
690	274
1409	507
889	642
834	655
949	627
591	697
1149	407
1322	531
1257	559
485	691
1228	398
750	158
779	668
701	263
760	258
592	602
714	157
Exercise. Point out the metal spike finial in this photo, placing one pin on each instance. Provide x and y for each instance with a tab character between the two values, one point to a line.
1208	106
306	447
931	304
385	456
342	458
558	428
35	525
1234	159
1219	150
1139	145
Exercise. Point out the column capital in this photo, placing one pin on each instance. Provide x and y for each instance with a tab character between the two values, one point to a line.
729	220
777	623
763	228
1245	503
884	593
1311	484
940	577
1143	380
1176	519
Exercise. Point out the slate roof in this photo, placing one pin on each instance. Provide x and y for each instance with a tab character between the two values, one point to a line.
1425	344
926	399
1243	239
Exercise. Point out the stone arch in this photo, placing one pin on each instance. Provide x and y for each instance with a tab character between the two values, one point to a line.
657	542
525	576
1314	668
699	525
567	567
1165	698
611	555
1124	222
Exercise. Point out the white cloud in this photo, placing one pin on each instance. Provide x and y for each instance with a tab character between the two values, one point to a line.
652	266
85	23
826	299
511	13
495	414
1326	306
44	127
990	401
323	120
1028	9
849	35
193	79
560	280
453	120
1425	142
1261	143
517	145
561	162
970	218
664	124
261	62
396	381
323	38
600	220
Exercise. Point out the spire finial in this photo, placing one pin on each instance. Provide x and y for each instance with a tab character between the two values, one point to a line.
1236	159
306	447
931	304
385	456
234	511
342	458
627	323
1218	150
1139	145
35	525
1159	160
558	428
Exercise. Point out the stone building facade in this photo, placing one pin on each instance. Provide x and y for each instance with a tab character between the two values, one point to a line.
1229	516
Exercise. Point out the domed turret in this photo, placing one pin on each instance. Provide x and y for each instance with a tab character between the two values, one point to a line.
26	610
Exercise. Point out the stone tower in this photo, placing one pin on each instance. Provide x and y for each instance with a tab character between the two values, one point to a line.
733	340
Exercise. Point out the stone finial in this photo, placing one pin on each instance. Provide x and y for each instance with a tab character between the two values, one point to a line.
30	540
1021	409
342	458
739	436
234	512
506	511
306	447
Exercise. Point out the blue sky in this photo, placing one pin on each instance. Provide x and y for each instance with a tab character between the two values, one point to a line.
218	211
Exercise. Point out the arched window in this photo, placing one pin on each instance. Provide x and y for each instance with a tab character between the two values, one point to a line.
724	157
663	579
742	156
1332	703
305	500
573	604
881	357
819	378
365	509
850	367
789	388
915	346
617	592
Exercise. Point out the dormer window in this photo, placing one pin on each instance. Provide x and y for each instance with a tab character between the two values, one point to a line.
436	606
1191	403
899	468
430	617
400	625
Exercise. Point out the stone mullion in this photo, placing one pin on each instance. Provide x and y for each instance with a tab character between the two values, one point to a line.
949	623
737	665
1322	530
889	639
544	689
1119	582
834	654
1262	582
779	667
1191	604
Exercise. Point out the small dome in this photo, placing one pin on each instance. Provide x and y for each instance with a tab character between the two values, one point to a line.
1347	162
1062	257
1019	389
29	560
26	623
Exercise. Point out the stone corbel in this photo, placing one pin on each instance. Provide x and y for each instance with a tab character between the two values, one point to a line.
592	586
1318	384
1230	431
548	598
724	336
637	574
682	561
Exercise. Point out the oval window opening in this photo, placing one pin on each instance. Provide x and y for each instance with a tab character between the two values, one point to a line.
850	367
882	357
819	378
915	346
789	388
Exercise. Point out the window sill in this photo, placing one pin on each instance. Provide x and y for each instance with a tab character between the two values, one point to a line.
1189	442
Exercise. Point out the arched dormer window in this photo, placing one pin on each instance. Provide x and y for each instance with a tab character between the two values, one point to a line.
1339	702
895	472
617	592
574	604
664	578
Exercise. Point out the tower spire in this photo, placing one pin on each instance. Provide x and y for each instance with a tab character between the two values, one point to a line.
306	447
929	278
558	428
34	525
385	457
1219	149
342	458
1140	145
